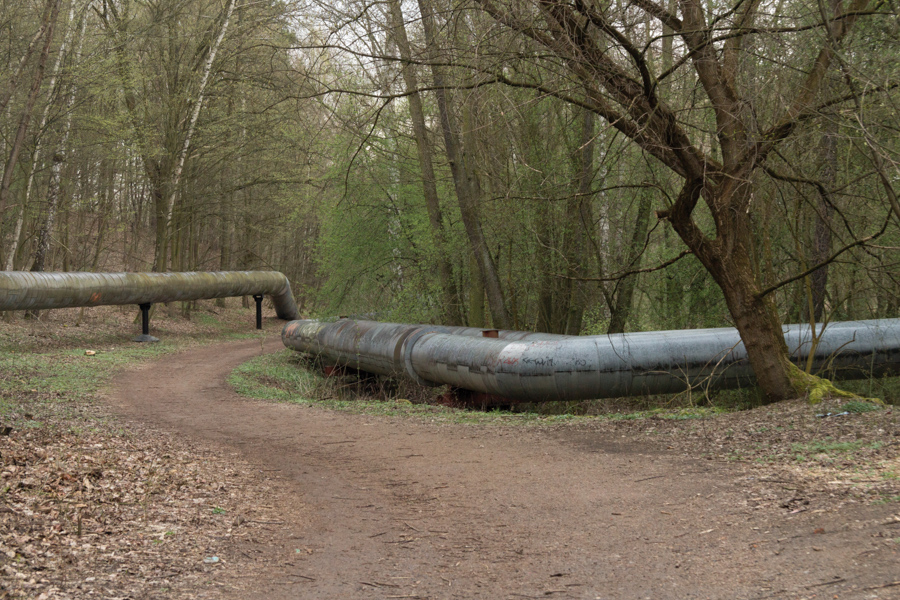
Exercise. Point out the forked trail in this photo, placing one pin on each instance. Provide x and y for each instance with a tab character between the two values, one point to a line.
375	507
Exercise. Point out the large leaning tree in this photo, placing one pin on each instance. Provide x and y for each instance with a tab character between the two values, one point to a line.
737	80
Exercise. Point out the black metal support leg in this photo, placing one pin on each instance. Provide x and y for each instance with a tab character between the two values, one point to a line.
145	325
259	299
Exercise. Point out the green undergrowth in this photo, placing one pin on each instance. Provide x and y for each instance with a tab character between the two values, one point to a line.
72	372
288	376
885	388
831	448
48	368
860	406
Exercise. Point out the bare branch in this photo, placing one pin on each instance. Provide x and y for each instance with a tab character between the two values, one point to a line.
827	261
625	274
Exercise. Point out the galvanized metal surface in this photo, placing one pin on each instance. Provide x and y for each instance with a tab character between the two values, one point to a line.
23	290
542	367
365	345
374	346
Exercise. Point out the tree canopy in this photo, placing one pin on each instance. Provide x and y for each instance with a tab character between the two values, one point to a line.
571	166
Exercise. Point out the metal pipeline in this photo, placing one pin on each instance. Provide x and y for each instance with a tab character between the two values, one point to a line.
374	346
23	290
540	367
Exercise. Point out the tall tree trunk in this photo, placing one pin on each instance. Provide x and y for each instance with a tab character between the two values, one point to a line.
159	261
579	220
46	233
25	118
59	157
824	213
155	169
107	193
451	302
625	295
12	85
38	147
547	282
465	179
476	295
728	258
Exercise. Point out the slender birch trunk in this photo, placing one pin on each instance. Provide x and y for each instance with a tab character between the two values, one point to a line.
451	299
45	116
160	259
25	118
465	179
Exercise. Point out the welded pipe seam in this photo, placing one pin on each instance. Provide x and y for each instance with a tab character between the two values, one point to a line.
24	290
365	345
532	367
373	346
644	363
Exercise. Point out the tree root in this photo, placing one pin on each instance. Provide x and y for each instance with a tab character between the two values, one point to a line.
817	389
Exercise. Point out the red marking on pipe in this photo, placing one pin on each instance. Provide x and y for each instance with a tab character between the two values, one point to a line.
95	298
490	333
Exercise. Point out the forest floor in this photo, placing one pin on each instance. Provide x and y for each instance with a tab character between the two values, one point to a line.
171	485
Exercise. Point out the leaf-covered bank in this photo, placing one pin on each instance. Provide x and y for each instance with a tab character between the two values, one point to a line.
96	506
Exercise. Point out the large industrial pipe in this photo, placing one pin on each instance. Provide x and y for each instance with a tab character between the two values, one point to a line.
543	367
22	290
377	347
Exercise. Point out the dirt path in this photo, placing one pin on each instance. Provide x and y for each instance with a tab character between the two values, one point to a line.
370	507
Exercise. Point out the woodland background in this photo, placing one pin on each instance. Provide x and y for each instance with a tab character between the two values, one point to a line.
429	162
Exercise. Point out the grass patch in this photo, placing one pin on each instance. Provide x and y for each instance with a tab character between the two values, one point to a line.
831	449
46	364
71	372
859	407
289	376
885	388
274	377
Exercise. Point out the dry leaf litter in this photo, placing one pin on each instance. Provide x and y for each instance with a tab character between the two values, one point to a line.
94	508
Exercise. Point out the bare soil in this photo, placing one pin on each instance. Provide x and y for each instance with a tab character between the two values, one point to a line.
374	507
194	492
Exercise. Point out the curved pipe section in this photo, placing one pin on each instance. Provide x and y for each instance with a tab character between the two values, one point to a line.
365	345
23	290
532	367
612	366
377	347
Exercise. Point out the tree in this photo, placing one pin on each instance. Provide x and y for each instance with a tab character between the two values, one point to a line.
174	112
461	157
451	300
724	49
48	25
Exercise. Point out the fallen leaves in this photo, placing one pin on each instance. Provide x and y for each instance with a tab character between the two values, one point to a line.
112	512
792	459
